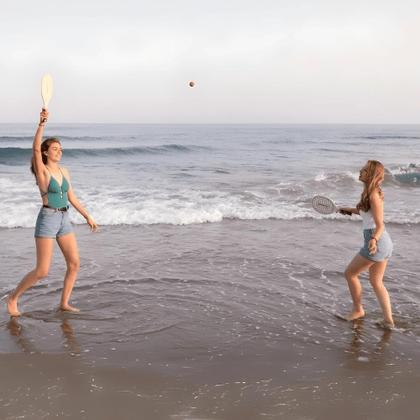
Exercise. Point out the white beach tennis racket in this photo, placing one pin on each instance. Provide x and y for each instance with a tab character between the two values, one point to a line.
46	89
325	205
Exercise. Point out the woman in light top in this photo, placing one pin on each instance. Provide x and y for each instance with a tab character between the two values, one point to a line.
377	248
53	221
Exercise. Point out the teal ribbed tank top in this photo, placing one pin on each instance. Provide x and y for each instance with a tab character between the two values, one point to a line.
57	194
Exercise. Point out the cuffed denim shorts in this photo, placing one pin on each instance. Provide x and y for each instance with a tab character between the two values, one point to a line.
384	248
52	223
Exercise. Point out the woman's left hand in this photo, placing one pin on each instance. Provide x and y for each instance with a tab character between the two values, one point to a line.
373	247
92	224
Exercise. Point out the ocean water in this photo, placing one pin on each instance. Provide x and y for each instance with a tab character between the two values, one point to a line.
183	174
211	289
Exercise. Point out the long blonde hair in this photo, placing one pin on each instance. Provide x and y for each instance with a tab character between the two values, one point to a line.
375	175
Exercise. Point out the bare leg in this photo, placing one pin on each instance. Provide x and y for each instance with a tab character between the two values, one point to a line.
376	276
44	248
68	246
357	266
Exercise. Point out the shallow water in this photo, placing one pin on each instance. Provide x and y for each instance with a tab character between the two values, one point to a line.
212	289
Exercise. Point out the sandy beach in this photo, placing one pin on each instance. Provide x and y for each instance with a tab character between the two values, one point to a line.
211	321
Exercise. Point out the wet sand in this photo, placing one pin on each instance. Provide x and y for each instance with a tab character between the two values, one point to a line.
233	320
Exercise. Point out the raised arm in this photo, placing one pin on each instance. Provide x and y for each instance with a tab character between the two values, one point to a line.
74	201
38	164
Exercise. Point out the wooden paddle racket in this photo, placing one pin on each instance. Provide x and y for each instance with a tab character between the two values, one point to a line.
46	90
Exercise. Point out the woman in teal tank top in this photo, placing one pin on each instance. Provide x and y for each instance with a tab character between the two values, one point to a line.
53	223
57	194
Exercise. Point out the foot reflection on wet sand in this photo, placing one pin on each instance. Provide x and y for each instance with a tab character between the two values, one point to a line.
361	347
19	334
70	342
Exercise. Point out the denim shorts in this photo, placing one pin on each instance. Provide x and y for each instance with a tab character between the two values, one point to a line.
52	223
384	248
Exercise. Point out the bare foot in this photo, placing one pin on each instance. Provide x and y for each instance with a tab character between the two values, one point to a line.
68	308
12	307
355	315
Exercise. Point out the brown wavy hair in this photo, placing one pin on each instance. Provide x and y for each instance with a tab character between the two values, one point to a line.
45	145
375	175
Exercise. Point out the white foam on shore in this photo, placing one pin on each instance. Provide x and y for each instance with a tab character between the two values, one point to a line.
135	206
118	206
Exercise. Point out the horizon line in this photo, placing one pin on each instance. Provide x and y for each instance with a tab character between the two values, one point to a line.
217	123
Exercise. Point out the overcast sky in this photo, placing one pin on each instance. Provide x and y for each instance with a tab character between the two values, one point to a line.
280	61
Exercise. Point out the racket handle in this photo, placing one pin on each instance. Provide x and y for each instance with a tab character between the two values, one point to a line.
347	213
44	108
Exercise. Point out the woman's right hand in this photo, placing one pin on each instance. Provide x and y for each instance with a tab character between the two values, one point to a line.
43	117
345	210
